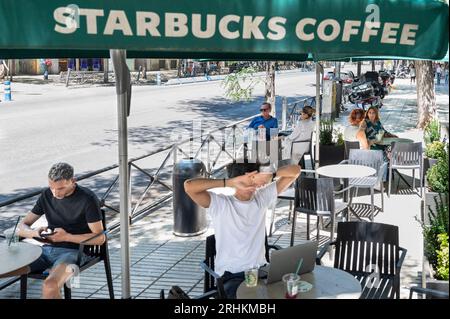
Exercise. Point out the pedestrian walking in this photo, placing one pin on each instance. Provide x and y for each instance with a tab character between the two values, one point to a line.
446	75
412	73
438	74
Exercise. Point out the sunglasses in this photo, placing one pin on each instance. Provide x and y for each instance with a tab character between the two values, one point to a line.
264	110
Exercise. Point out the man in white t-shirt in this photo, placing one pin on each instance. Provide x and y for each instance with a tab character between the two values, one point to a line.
239	219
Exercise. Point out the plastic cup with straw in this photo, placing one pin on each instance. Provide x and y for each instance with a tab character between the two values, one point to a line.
13	234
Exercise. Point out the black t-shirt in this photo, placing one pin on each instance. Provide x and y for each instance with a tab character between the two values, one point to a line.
72	213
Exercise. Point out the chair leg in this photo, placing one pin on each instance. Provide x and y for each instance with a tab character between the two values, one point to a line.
382	196
290	211
389	181
307	226
421	181
109	279
372	206
23	286
414	179
318	229
293	228
67	292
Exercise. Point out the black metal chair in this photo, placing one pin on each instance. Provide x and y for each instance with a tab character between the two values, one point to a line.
350	146
374	159
308	152
368	251
315	196
213	282
95	254
406	156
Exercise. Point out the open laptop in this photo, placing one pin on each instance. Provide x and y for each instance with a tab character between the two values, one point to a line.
286	260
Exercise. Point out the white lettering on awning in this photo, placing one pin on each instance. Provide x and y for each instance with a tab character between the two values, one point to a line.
147	22
117	21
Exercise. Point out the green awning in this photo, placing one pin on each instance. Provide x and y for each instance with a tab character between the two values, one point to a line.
219	29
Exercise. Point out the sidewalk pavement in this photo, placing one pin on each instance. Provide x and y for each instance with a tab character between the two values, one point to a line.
159	259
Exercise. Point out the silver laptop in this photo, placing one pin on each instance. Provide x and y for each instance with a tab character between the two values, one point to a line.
286	260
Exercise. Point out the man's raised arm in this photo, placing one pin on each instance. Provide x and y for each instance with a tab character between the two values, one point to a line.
197	189
287	175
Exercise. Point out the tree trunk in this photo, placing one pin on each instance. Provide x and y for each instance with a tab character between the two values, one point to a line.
270	85
426	99
180	65
373	65
358	70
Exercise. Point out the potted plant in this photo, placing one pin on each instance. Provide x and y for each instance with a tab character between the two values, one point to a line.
331	149
432	132
435	232
433	152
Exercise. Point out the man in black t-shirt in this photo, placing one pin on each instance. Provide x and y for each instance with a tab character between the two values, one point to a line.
73	215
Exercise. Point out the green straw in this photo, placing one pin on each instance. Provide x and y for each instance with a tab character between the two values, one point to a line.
300	262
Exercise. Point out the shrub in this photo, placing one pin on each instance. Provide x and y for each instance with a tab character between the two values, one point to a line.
432	132
442	258
435	150
437	176
326	132
438	225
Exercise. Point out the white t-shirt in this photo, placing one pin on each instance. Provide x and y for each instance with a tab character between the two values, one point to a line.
350	133
240	229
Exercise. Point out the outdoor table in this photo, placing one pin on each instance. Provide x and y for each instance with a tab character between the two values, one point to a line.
389	140
346	171
17	255
327	283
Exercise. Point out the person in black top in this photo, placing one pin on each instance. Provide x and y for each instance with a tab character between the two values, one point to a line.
73	215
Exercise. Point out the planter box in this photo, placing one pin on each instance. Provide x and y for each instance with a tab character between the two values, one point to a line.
430	282
331	154
429	203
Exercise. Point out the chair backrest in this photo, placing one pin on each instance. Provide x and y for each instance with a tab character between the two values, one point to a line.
363	247
371	158
350	146
307	142
210	255
406	154
98	250
314	194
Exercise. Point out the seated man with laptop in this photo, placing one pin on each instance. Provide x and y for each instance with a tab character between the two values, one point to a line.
240	219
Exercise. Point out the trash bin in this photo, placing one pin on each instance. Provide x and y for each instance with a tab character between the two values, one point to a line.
189	218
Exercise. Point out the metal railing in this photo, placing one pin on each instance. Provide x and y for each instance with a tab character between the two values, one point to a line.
217	148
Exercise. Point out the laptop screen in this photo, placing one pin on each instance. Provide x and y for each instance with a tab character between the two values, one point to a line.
286	260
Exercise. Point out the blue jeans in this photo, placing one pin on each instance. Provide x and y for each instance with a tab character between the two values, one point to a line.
53	256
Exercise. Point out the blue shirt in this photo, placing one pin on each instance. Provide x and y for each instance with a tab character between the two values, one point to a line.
271	122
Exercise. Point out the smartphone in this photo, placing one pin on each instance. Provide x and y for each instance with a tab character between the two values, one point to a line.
44	235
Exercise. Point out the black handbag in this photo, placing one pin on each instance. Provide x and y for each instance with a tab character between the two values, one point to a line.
177	293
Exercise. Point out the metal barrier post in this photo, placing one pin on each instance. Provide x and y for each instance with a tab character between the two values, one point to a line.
7	90
69	70
158	78
284	114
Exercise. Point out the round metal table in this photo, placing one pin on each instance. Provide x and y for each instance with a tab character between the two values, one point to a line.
389	140
17	255
345	171
327	283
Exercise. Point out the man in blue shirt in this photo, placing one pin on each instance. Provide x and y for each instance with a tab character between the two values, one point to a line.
265	120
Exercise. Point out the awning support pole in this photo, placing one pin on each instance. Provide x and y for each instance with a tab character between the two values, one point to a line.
122	75
318	109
